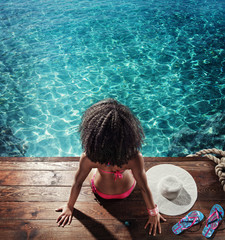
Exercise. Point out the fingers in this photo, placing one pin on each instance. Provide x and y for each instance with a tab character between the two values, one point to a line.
146	224
65	221
159	228
150	229
163	218
151	226
59	209
62	221
154	224
70	220
154	229
58	219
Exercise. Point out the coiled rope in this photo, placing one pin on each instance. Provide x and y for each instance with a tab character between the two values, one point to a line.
220	167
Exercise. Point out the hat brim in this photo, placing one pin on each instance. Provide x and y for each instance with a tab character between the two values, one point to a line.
187	196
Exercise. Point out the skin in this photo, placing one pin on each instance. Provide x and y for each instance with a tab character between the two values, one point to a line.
106	183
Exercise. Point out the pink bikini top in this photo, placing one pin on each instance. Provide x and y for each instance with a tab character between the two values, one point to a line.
117	174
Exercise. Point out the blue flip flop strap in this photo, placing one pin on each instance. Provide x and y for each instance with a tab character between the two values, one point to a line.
194	219
189	221
216	218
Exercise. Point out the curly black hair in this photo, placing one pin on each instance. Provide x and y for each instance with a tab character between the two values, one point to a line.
110	133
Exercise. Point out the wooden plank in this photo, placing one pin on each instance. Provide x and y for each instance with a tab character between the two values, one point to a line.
65	178
32	194
54	177
46	210
210	189
204	166
34	166
28	200
174	159
86	227
40	159
68	166
38	178
50	194
74	159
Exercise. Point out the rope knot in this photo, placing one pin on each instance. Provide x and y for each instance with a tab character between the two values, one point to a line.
222	160
220	171
220	167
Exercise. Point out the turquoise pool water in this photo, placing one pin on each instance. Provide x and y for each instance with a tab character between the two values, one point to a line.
164	59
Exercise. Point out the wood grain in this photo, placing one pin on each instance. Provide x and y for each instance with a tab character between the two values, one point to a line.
89	228
32	188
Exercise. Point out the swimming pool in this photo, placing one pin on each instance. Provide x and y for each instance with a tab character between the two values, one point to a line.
164	59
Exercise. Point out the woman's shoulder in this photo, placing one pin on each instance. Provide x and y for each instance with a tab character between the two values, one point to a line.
136	162
137	158
85	160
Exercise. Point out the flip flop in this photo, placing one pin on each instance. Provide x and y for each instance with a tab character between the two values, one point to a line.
191	219
213	221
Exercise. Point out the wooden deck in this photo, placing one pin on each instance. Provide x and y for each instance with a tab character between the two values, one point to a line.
31	188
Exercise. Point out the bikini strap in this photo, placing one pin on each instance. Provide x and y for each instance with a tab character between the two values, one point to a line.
117	174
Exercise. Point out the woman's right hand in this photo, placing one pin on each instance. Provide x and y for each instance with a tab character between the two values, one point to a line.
65	217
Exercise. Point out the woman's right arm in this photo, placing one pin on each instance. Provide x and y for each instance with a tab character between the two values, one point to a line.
84	169
137	167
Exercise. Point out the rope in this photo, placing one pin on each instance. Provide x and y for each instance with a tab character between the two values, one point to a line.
220	162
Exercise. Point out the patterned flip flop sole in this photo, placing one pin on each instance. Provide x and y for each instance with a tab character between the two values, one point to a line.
213	221
191	219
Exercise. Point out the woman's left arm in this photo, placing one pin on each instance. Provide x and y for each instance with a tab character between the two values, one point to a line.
137	167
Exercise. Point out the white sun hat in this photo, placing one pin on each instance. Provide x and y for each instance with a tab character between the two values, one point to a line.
174	190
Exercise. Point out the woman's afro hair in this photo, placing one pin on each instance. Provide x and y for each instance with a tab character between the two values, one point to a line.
110	133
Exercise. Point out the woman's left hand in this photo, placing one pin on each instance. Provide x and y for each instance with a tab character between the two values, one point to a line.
154	222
